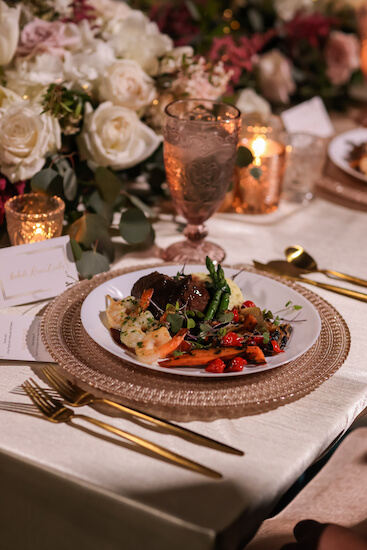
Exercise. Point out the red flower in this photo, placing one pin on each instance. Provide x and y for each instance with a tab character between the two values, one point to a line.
238	55
80	10
313	28
8	190
176	21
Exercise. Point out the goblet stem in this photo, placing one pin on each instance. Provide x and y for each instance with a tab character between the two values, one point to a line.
195	233
194	248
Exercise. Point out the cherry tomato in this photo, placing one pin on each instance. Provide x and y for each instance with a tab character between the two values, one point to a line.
217	365
255	340
236	365
276	347
231	339
184	346
236	316
248	303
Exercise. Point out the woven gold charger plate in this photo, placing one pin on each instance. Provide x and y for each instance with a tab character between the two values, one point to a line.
188	398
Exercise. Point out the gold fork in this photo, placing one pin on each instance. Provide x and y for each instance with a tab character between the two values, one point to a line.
56	412
77	397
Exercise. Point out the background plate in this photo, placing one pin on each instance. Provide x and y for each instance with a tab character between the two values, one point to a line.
266	293
341	146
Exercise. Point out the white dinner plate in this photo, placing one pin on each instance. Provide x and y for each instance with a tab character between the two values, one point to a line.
265	292
341	146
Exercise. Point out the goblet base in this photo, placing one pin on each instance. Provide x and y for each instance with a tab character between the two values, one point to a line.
188	251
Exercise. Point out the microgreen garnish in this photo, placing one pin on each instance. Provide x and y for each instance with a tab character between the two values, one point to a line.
226	317
176	321
205	327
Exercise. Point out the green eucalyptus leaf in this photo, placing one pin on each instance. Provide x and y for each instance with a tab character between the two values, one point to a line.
244	157
256	172
43	180
148	242
136	201
92	263
108	184
88	229
134	226
70	184
100	207
105	246
76	249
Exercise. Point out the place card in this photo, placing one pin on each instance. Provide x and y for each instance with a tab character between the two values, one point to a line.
310	117
20	338
36	271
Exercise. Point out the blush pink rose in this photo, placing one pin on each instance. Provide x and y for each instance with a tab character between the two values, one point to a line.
342	55
274	74
40	36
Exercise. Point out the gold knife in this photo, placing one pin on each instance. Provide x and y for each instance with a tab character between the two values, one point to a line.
275	269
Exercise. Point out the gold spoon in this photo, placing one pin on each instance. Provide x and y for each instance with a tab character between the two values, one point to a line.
289	271
298	257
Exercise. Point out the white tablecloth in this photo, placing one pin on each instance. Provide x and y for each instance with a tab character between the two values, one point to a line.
63	487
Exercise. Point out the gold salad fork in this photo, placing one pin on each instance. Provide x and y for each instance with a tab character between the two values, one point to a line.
77	397
56	412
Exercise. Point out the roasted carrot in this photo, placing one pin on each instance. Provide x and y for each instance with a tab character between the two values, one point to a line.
254	354
198	357
250	322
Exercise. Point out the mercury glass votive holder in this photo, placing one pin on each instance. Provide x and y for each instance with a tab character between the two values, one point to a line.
260	194
34	217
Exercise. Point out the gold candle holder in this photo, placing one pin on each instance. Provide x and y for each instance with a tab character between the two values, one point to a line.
260	195
34	217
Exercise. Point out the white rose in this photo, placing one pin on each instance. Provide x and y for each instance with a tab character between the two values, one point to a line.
115	136
9	32
139	39
172	61
108	10
62	7
287	9
31	77
25	138
249	101
7	96
125	83
83	69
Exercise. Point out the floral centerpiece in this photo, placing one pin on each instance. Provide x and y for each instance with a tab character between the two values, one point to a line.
83	87
285	50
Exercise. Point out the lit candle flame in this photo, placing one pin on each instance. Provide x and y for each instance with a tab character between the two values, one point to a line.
258	146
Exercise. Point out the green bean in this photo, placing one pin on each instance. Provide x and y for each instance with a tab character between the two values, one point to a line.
221	276
210	267
213	306
224	301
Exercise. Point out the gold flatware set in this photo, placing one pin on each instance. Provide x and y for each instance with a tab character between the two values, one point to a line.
298	263
56	410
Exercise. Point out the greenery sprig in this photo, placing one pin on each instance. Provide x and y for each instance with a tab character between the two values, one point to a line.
65	105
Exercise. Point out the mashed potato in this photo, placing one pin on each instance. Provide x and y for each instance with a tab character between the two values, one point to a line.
236	298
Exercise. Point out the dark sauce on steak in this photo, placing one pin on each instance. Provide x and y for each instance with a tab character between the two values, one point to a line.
185	290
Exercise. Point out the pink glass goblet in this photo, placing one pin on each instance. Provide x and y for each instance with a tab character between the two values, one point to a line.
200	146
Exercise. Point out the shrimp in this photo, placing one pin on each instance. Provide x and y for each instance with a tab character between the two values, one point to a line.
118	310
134	329
158	344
